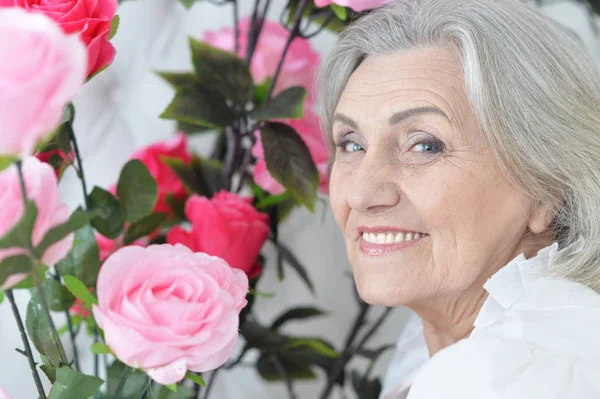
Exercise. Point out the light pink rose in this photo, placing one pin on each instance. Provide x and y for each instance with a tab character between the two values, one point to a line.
42	187
89	19
166	309
300	63
356	5
309	130
41	70
4	394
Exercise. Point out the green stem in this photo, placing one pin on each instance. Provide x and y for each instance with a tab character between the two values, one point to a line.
122	382
72	334
210	383
36	376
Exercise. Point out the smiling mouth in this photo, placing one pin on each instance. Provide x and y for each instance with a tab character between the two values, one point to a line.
384	243
390	238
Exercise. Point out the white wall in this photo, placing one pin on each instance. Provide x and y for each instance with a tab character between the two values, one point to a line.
117	112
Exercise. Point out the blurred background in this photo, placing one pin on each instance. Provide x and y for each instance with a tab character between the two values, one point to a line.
117	112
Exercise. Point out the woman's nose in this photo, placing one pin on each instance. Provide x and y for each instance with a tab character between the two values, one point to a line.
374	187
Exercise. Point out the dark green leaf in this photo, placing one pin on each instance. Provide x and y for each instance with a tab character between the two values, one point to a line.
78	219
38	329
48	369
98	348
28	282
1	297
339	11
289	161
162	392
13	265
134	386
272	200
20	235
294	369
144	227
195	378
83	261
109	221
187	3
78	288
6	161
71	384
373	354
114	26
262	90
365	388
58	297
200	105
291	260
223	71
298	313
289	104
137	191
179	80
262	338
314	344
191	129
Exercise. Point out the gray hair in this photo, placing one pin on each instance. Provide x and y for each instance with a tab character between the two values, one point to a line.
533	88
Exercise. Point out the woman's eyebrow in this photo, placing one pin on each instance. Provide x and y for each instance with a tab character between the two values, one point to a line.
395	118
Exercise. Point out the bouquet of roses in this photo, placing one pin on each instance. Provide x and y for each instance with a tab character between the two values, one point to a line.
162	268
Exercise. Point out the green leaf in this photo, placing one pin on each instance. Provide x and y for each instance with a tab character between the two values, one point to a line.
6	161
200	105
289	161
298	313
13	265
289	104
179	80
313	344
294	369
109	221
291	259
187	3
28	282
134	386
164	392
38	329
137	191
339	11
78	288
1	297
365	388
114	26
75	321
20	235
191	129
144	227
373	354
78	219
48	369
71	384
252	291
262	90
272	200
224	71
58	297
195	378
172	387
98	348
83	261
200	177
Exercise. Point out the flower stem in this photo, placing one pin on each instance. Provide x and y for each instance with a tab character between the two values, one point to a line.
70	327
210	383
282	373
80	173
295	31
236	26
122	382
36	376
346	354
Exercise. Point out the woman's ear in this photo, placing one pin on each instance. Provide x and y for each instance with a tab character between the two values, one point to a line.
541	218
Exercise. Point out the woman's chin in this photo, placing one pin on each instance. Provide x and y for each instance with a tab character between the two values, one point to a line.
382	291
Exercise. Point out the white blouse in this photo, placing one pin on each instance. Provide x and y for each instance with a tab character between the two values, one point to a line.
535	337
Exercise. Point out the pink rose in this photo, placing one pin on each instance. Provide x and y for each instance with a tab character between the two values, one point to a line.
356	5
90	19
4	394
300	63
42	188
41	70
227	226
310	131
167	310
167	180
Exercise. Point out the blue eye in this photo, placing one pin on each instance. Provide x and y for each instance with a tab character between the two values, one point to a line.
429	147
352	147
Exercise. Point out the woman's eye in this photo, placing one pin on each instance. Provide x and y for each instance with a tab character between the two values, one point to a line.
428	147
352	147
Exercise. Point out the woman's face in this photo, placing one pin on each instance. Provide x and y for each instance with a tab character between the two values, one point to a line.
425	210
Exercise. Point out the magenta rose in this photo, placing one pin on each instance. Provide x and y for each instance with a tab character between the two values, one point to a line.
41	70
167	180
42	187
89	19
310	131
300	63
356	5
166	309
227	226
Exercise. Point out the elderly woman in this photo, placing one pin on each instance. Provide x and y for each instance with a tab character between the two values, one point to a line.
466	181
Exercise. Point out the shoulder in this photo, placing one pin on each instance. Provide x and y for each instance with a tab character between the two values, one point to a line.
498	368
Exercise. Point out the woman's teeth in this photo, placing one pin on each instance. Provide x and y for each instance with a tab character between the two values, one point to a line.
390	238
